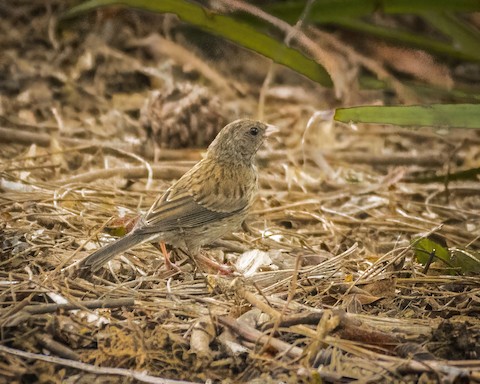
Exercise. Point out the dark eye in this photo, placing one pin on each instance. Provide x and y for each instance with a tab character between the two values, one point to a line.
254	131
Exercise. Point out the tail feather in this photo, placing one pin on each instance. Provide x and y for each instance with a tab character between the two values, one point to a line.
98	258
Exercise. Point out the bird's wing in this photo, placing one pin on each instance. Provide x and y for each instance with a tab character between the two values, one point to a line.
181	212
203	195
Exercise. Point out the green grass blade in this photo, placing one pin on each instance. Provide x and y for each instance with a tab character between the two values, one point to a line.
410	39
331	10
224	26
430	92
437	115
466	39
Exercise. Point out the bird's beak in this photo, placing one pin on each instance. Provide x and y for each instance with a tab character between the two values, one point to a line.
271	130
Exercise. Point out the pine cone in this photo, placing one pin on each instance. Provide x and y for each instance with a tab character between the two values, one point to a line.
185	115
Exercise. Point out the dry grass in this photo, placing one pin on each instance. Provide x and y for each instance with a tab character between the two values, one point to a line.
341	296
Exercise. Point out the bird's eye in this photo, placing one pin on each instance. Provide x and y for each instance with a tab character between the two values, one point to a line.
254	131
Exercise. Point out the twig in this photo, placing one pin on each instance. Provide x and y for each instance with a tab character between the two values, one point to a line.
402	91
59	349
291	293
61	265
93	304
230	246
158	172
311	318
264	307
255	336
389	159
161	47
137	375
349	327
435	366
264	90
8	135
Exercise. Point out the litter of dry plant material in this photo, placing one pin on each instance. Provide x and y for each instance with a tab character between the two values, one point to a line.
327	284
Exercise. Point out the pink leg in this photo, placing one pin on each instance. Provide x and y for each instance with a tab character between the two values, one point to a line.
221	268
168	264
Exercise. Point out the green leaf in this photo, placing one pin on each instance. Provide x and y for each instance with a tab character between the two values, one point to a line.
465	39
456	260
463	42
469	95
225	26
412	39
424	247
331	10
466	261
436	115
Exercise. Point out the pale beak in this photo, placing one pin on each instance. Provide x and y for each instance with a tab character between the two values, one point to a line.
271	130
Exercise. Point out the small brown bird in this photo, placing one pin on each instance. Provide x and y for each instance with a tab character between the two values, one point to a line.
209	201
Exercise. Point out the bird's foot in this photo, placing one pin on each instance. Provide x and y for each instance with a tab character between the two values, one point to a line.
169	266
223	269
166	255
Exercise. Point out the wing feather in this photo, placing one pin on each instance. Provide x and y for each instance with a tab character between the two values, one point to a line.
204	195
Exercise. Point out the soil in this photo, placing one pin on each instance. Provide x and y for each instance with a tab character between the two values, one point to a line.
100	114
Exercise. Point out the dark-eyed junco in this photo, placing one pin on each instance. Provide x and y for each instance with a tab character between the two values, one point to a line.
209	201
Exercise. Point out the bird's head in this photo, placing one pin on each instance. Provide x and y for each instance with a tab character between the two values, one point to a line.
239	141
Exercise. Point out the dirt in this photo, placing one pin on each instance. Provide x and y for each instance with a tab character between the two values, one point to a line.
100	114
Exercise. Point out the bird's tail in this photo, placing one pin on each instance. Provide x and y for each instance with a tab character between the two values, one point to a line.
98	258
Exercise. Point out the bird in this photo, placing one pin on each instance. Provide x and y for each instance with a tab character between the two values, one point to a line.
210	200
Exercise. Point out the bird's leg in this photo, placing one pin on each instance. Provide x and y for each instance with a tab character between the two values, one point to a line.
168	263
223	269
200	261
166	255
